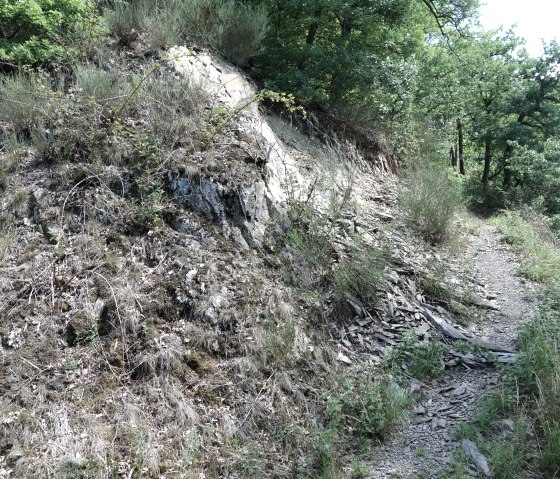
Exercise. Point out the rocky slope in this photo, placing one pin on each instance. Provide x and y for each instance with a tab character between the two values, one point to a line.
174	335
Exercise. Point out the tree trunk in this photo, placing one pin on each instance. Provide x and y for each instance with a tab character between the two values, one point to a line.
461	146
310	38
314	27
508	153
487	162
453	156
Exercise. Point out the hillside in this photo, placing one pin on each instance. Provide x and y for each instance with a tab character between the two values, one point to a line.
234	243
151	343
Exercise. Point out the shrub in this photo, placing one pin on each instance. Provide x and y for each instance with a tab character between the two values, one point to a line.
99	84
25	101
35	32
171	105
430	199
371	410
244	29
125	20
160	23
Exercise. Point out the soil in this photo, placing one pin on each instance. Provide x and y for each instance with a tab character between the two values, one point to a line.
426	445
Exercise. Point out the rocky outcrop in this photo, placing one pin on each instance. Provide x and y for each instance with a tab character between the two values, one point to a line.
242	213
289	162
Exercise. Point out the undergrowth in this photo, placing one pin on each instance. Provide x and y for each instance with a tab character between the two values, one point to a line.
234	29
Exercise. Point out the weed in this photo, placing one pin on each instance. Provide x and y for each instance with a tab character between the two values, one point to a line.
325	454
422	360
244	29
421	452
359	470
126	19
25	101
370	410
105	87
83	470
309	234
279	335
359	276
458	467
172	106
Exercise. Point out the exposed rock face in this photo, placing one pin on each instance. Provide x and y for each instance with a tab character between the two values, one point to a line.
241	213
289	161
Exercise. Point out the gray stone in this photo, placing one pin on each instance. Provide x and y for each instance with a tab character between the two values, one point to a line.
476	457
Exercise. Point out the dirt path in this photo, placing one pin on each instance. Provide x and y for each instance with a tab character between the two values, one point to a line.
423	447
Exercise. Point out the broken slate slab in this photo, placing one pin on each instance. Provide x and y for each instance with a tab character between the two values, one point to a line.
476	457
343	358
482	303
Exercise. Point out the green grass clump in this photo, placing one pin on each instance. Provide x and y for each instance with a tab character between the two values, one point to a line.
371	411
539	255
430	198
421	360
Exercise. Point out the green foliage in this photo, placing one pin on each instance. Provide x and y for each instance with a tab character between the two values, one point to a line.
359	276
421	360
538	174
430	199
367	410
327	53
37	32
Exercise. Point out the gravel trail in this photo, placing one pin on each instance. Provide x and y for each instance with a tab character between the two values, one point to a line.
425	445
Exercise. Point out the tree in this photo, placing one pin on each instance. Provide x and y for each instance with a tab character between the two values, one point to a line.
35	32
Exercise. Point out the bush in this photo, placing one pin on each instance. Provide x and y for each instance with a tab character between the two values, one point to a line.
26	101
34	32
243	31
159	22
172	105
105	87
430	199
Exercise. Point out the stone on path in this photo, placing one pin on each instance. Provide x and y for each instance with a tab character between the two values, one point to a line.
476	457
